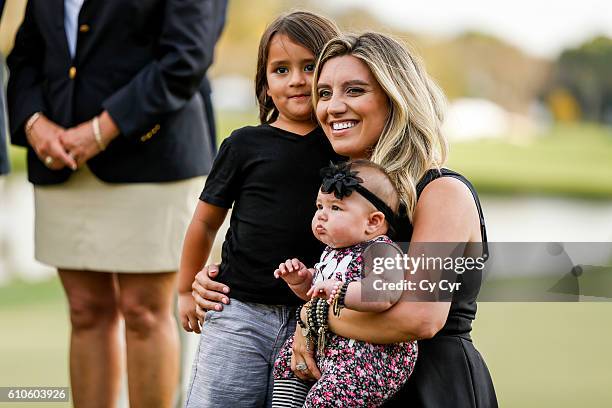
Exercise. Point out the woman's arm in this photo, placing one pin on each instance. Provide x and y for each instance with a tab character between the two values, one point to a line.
186	43
206	221
445	212
25	85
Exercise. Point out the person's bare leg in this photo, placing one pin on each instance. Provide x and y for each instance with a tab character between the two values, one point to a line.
95	352
147	302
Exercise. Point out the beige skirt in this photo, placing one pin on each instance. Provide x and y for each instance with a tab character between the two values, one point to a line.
87	224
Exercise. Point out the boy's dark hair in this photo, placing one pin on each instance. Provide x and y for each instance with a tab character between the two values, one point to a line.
310	30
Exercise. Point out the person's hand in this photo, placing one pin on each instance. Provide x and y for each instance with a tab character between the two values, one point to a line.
208	294
187	312
294	272
325	290
45	139
303	353
80	142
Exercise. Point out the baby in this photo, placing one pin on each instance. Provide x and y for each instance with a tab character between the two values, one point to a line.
356	207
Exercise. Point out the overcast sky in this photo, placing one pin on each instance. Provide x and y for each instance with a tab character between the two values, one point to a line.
540	27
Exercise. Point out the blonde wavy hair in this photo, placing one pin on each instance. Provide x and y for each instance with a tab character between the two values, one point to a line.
411	141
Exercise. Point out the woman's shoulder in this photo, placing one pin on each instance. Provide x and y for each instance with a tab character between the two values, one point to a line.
447	206
443	177
441	186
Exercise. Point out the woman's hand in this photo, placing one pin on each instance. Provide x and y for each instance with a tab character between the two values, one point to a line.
208	294
302	353
187	312
45	139
80	142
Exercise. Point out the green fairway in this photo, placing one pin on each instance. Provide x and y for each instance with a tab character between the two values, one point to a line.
35	336
540	354
568	160
547	354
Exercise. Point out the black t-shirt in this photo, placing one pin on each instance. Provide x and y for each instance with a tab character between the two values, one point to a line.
271	176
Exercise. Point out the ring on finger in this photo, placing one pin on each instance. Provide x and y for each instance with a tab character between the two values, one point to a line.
301	366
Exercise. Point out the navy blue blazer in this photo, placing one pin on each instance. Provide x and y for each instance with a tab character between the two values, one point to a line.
142	61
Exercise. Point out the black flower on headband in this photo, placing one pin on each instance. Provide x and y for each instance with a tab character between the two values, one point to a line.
339	179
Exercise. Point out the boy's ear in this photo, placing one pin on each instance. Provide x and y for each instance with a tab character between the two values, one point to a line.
376	220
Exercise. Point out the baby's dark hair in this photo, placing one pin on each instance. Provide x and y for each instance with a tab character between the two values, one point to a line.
377	180
310	30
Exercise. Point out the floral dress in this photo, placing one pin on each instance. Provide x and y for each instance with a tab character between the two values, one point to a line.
353	373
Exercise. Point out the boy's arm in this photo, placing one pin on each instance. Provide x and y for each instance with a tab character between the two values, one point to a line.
206	221
201	233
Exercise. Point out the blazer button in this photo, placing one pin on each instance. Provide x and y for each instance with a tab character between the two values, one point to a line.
84	28
72	72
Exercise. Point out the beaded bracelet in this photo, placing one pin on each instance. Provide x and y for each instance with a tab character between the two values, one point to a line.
322	316
298	318
312	318
338	302
311	311
333	300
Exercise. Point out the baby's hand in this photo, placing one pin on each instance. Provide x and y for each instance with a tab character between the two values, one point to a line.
325	289
293	272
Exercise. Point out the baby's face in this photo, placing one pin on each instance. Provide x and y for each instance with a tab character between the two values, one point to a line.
341	223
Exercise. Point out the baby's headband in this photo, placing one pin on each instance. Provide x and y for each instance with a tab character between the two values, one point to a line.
340	180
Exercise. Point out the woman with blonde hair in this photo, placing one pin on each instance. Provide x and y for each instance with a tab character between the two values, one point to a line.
375	100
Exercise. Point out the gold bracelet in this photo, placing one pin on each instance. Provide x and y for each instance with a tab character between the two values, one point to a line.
30	123
95	125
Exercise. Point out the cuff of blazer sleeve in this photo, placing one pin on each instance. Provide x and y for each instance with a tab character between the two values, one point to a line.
130	120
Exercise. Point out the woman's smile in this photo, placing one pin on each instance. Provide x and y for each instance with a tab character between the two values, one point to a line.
352	106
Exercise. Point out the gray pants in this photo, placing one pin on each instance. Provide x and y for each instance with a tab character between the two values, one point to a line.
234	361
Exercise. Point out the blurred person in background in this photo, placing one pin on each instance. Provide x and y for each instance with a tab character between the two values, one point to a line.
104	95
220	11
4	160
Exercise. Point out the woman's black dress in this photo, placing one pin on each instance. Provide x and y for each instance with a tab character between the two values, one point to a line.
450	372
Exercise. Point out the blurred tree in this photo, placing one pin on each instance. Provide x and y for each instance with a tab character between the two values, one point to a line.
585	71
563	105
236	52
483	66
